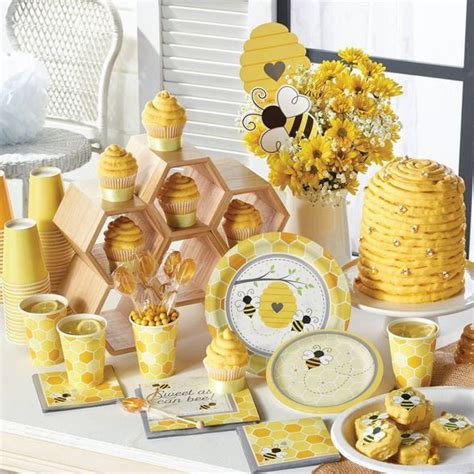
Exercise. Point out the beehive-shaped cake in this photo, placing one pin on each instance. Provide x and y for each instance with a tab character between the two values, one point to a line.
412	233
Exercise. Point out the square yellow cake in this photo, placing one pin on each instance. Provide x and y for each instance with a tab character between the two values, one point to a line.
421	424
379	441
406	405
362	423
451	430
414	448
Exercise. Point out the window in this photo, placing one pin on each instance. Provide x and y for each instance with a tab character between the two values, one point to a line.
429	48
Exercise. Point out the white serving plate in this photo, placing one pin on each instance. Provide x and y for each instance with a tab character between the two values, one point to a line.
460	302
452	399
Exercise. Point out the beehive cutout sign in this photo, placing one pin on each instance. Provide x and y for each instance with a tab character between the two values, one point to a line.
268	55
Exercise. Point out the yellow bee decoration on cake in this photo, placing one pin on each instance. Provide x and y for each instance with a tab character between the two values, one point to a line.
270	54
407	400
270	454
453	422
277	305
317	357
374	434
287	118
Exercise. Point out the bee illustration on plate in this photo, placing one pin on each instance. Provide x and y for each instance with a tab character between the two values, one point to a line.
304	321
247	303
407	400
453	422
270	454
285	119
317	357
62	397
207	406
161	386
374	434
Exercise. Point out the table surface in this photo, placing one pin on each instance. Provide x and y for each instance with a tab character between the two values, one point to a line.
109	430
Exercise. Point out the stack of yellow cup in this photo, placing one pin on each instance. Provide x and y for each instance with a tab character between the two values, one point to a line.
24	273
46	192
6	214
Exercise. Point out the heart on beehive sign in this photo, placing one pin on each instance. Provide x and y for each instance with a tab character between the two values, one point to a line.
277	307
274	70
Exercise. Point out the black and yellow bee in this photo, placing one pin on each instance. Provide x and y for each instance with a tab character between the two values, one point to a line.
62	397
304	321
373	434
287	118
269	454
207	406
247	303
161	386
407	400
453	422
317	357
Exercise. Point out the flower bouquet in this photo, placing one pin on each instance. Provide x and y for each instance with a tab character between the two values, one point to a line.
328	124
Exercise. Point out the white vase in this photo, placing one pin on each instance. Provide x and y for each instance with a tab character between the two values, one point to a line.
324	224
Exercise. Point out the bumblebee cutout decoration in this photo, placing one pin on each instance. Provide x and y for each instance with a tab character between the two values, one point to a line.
407	400
375	418
374	434
317	357
409	438
62	397
247	303
304	321
288	117
454	422
270	454
207	406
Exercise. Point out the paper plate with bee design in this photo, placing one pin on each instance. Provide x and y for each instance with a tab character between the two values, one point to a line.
274	286
324	371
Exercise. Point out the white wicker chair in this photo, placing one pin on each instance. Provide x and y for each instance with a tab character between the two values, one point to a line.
78	41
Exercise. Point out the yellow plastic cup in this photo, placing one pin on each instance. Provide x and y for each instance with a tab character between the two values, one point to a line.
6	211
84	354
23	262
156	349
44	344
412	357
46	192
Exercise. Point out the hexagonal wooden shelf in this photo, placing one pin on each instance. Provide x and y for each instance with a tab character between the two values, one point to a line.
83	216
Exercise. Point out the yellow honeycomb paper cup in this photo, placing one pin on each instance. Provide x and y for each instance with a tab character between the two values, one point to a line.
46	192
412	357
156	349
44	344
84	355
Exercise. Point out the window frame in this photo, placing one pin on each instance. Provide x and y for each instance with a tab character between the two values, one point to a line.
463	74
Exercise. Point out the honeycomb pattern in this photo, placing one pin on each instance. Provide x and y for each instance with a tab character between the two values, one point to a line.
412	361
84	357
276	242
220	181
55	385
156	350
44	344
297	439
246	411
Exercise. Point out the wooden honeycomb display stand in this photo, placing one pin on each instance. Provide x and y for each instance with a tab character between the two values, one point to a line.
83	216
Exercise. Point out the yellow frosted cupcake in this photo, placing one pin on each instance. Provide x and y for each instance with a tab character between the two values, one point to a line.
179	199
117	170
242	220
226	361
123	240
164	120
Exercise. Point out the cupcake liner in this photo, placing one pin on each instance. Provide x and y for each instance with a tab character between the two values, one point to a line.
122	255
121	182
180	207
225	375
236	235
157	131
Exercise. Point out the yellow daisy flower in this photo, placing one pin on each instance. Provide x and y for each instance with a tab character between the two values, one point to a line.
343	132
358	84
341	104
385	87
352	55
370	68
363	105
315	155
251	140
329	70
